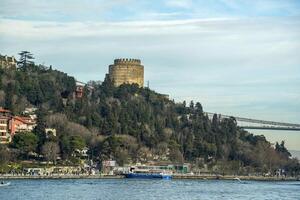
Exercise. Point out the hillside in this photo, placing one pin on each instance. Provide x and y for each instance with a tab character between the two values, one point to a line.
130	124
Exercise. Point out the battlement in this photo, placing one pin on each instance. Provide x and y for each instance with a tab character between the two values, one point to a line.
129	61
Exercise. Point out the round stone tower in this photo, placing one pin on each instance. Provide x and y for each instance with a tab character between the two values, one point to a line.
128	71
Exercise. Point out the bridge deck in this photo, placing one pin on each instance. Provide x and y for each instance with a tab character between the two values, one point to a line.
271	128
266	125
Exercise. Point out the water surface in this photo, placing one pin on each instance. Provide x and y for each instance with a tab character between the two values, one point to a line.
129	189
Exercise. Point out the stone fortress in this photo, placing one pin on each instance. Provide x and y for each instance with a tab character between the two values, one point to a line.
128	71
8	62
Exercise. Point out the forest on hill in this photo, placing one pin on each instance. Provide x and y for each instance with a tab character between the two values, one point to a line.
128	124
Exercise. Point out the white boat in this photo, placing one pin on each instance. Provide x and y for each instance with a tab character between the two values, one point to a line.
2	184
237	179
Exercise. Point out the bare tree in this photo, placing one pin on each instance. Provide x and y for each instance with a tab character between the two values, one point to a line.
144	154
4	155
2	98
50	150
176	156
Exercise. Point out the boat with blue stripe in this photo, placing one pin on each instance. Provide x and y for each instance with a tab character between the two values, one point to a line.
138	173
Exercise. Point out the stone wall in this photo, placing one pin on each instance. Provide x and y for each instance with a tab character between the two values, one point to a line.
127	71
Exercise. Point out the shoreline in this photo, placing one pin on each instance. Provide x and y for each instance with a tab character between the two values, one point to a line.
175	177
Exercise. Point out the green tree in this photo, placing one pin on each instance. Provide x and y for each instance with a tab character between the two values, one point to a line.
122	157
199	108
65	146
77	142
25	142
215	123
40	128
4	154
25	59
5	157
280	148
9	94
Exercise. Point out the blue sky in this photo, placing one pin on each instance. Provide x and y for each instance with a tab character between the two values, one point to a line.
236	57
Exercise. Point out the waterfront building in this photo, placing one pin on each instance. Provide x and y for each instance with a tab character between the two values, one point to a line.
54	170
126	71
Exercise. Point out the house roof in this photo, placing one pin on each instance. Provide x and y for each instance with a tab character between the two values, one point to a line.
25	120
2	110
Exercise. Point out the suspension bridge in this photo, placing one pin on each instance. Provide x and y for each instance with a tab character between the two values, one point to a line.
248	123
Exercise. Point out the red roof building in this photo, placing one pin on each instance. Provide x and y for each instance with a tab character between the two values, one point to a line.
21	124
11	125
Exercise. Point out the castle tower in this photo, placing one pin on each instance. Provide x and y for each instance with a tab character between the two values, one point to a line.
126	71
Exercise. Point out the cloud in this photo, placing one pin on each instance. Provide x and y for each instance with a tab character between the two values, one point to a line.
237	45
41	29
179	3
120	10
57	10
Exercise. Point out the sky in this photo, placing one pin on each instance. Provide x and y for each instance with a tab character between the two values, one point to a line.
236	57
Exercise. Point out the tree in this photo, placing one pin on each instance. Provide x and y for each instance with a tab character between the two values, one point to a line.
280	148
5	157
77	142
192	105
25	142
199	108
122	156
215	123
25	59
40	128
176	156
65	146
50	151
162	148
4	154
9	93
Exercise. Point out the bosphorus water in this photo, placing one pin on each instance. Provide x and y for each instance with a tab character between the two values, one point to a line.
110	189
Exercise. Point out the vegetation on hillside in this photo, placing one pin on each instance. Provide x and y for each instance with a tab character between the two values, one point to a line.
128	124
